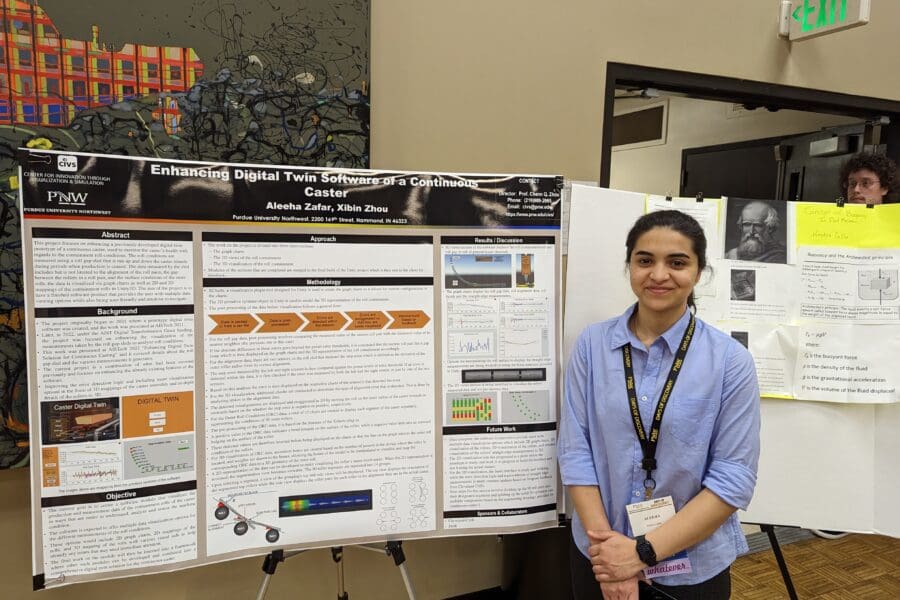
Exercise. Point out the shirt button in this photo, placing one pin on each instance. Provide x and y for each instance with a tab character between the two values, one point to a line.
644	398
637	494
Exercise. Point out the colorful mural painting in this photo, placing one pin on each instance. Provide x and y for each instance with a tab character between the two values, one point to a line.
243	82
47	80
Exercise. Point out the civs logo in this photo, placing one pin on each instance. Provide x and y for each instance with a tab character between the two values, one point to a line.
67	162
67	198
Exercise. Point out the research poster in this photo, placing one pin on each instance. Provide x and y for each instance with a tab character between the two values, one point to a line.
811	289
231	359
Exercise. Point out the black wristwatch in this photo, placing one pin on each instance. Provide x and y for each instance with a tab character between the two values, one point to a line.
645	551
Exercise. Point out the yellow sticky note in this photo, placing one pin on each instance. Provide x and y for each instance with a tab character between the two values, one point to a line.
849	226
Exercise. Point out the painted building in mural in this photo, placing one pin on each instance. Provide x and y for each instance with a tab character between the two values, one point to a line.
46	79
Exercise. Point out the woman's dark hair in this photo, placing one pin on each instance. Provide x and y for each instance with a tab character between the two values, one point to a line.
675	220
881	165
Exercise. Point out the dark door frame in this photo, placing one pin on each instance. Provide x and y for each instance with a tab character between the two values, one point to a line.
743	91
685	152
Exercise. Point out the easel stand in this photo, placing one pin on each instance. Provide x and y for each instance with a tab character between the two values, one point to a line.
393	549
779	557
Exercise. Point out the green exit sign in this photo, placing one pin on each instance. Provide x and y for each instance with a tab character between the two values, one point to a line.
811	18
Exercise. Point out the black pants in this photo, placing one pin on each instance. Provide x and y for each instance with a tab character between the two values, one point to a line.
585	587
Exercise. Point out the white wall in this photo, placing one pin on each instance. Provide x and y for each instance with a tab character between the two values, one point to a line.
518	85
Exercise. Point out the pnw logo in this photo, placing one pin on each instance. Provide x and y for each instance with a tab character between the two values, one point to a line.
67	198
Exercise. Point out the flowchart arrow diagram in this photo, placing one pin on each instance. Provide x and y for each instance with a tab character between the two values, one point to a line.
280	322
228	324
408	319
324	321
367	319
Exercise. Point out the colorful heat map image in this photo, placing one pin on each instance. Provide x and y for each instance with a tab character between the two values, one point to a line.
471	409
467	271
324	503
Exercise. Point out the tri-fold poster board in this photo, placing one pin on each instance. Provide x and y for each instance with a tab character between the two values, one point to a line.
227	359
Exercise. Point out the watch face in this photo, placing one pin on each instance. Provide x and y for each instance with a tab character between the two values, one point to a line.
645	552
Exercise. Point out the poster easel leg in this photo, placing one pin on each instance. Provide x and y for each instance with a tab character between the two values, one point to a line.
392	549
395	550
782	565
337	555
270	563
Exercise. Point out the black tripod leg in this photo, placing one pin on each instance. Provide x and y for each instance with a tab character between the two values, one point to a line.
395	549
270	563
782	565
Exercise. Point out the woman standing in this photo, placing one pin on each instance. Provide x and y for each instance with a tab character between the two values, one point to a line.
630	434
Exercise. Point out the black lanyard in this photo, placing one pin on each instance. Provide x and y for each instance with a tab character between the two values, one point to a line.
648	445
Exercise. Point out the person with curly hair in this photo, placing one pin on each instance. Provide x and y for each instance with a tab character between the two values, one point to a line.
868	179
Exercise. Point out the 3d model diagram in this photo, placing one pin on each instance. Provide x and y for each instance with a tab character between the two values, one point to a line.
242	523
478	271
878	284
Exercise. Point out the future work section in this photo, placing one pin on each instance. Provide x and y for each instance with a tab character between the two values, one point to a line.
231	359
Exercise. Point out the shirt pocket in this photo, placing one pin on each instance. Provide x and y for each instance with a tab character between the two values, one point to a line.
692	421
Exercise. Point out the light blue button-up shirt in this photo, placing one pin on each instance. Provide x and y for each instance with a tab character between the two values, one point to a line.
709	437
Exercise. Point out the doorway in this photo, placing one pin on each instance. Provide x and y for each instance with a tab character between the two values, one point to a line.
780	163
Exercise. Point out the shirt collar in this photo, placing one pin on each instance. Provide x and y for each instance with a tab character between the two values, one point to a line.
621	334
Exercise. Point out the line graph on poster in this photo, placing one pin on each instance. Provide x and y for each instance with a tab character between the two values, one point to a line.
525	308
473	321
527	321
472	306
472	344
161	456
98	474
524	343
472	313
83	466
89	454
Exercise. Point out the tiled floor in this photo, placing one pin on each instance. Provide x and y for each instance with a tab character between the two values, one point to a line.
856	567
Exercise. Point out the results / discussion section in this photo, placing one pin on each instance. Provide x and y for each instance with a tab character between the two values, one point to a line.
499	380
331	336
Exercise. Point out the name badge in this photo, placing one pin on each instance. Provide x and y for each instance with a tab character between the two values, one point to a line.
647	516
